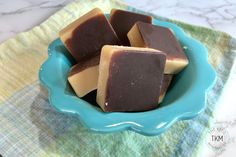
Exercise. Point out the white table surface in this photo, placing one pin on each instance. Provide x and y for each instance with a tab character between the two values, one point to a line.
21	15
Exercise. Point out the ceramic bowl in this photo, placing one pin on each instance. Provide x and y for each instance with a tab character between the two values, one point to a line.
184	100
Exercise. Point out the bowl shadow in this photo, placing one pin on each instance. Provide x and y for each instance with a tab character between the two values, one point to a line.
50	123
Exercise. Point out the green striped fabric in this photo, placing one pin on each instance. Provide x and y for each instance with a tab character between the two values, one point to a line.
29	126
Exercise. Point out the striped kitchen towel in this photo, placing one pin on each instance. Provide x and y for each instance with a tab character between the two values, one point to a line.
29	126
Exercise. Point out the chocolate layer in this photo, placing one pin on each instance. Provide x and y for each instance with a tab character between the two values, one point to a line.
82	65
122	21
85	37
130	78
160	38
164	87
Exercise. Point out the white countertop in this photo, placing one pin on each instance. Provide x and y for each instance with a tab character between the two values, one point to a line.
22	15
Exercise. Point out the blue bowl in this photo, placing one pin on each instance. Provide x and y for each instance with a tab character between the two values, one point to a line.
184	100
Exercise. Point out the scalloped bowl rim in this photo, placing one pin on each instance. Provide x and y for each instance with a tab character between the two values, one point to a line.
147	123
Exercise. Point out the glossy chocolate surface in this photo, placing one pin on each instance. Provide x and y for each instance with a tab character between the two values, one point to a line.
134	81
89	37
161	38
122	21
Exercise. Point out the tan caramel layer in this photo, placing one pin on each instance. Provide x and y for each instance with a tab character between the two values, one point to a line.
84	81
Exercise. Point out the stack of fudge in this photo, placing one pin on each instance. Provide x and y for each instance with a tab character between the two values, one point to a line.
127	59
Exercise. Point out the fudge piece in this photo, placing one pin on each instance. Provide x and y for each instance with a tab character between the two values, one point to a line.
84	75
164	87
129	78
83	78
86	36
160	38
122	21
